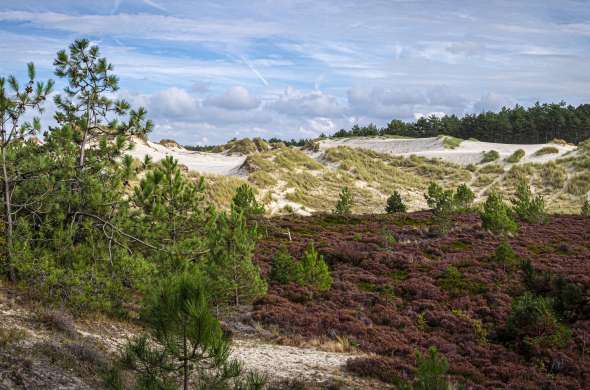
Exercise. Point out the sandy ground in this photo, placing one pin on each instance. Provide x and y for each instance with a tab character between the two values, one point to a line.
216	163
275	361
469	152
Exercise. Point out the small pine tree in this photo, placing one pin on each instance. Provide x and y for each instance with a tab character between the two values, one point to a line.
528	207
344	204
285	269
186	348
496	215
431	373
442	204
505	255
395	204
586	208
315	269
245	201
232	276
463	197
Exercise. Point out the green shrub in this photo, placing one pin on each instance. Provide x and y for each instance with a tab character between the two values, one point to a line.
285	269
505	255
516	156
244	201
453	281
431	374
586	208
344	204
315	270
496	215
490	156
463	197
395	204
528	207
547	150
533	322
442	204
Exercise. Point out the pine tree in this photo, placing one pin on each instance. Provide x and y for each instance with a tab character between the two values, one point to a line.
315	269
86	105
232	276
496	215
463	197
395	203
442	204
186	348
172	213
586	208
344	204
528	207
285	269
15	103
245	201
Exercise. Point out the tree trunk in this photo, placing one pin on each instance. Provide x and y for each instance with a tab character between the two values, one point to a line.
185	355
8	211
83	148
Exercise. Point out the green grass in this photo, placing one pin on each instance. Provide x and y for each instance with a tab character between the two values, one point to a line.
490	156
579	184
547	150
450	142
516	156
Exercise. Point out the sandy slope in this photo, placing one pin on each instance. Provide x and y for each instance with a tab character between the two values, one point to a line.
216	163
467	153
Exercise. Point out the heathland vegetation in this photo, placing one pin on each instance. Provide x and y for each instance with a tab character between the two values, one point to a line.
462	294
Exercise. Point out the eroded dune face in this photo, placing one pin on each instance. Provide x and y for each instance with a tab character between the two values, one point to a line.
468	152
215	163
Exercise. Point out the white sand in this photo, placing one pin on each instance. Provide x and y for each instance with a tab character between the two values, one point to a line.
467	153
217	163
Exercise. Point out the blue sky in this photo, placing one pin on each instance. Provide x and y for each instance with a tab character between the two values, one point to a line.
208	71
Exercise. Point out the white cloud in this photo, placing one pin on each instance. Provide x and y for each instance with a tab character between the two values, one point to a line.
492	102
174	102
235	98
310	104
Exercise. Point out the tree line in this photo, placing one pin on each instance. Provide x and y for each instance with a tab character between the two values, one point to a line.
539	123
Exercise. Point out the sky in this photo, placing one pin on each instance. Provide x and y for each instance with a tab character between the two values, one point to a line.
208	71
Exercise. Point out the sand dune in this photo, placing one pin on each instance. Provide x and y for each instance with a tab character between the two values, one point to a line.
469	152
217	163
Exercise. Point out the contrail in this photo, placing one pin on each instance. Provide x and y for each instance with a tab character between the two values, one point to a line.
257	73
155	5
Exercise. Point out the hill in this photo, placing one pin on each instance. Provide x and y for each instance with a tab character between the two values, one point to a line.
308	179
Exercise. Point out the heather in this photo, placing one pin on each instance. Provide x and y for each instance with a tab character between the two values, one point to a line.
471	294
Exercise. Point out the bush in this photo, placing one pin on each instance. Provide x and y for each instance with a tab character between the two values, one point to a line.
505	255
453	281
395	204
529	208
432	370
344	204
516	156
463	197
285	269
442	204
496	215
547	150
490	156
586	208
315	270
533	322
245	201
